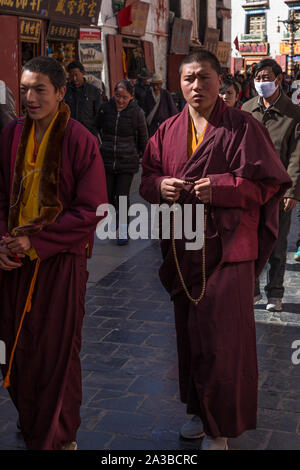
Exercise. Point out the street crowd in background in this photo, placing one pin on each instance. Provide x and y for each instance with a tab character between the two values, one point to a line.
50	234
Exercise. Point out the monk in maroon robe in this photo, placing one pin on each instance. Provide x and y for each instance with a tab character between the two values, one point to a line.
218	156
47	229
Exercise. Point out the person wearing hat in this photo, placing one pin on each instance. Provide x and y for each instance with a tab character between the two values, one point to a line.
159	104
141	87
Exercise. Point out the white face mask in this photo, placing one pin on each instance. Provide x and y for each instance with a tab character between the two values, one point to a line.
265	89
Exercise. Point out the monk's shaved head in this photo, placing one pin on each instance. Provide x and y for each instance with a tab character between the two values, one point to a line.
202	56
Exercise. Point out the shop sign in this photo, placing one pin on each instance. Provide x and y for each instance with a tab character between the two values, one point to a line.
254	48
62	32
140	12
285	48
90	55
211	40
25	7
224	51
30	30
90	34
75	11
181	36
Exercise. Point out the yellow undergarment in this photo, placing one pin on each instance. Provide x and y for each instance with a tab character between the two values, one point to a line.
29	207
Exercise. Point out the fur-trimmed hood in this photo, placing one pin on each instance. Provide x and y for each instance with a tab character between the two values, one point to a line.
49	204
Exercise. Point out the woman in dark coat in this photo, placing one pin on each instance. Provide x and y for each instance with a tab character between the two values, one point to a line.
123	129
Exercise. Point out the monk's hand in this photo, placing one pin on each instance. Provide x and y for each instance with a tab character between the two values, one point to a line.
203	190
17	245
289	204
6	262
170	189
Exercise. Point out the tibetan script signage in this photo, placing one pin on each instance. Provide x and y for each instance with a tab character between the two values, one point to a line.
30	29
181	36
25	7
211	40
62	32
139	17
74	11
254	48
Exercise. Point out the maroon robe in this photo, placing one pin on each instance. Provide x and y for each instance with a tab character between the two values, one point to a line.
46	372
216	338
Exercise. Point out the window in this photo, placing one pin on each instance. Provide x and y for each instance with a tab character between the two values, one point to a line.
202	18
257	25
174	5
117	5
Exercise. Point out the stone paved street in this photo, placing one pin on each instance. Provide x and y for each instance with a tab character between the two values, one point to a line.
129	366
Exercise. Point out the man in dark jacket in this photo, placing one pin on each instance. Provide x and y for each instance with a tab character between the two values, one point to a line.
159	105
142	87
282	118
7	105
83	98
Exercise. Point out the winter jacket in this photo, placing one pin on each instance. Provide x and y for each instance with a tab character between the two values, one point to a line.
124	136
84	103
282	120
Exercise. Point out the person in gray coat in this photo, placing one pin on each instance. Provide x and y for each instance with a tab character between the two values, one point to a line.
281	117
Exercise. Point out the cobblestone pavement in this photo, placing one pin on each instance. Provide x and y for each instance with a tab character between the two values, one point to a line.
129	366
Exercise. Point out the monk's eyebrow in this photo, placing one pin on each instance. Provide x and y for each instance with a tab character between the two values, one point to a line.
194	75
39	85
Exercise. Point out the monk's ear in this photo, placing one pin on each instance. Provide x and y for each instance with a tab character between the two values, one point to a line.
61	93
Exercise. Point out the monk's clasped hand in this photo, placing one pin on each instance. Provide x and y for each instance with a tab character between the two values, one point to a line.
170	189
17	244
202	189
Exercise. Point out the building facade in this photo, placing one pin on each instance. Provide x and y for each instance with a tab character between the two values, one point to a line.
255	23
162	33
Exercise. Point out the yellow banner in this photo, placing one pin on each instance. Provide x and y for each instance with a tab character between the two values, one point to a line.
285	48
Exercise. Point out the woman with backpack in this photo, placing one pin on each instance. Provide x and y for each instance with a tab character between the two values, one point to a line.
123	129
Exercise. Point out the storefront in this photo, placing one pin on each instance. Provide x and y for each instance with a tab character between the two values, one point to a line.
253	52
41	27
284	51
127	52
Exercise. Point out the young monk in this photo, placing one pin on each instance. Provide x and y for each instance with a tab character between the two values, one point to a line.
221	157
51	182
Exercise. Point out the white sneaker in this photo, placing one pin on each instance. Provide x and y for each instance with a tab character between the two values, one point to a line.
192	429
214	443
274	305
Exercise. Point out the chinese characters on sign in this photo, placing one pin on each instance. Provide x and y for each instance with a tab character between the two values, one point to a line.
30	7
62	32
81	11
254	48
30	29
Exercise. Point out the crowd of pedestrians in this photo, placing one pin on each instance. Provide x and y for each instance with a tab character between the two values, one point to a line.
231	143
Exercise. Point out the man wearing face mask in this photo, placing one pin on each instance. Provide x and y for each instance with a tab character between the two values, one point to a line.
282	118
